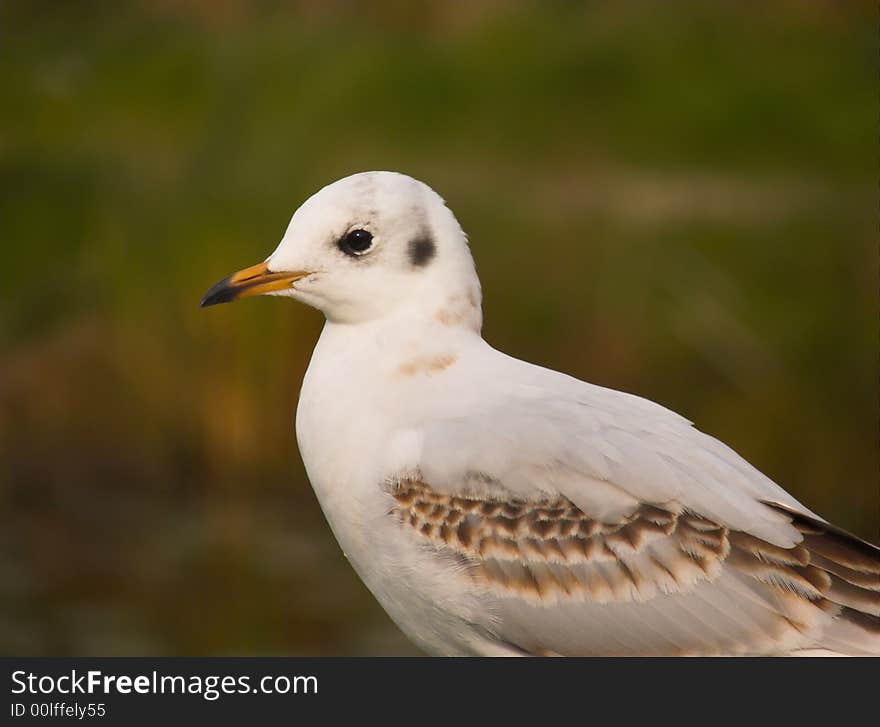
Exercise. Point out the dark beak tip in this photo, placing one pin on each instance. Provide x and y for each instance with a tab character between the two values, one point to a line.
222	292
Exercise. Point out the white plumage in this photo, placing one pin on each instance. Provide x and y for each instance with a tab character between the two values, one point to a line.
496	507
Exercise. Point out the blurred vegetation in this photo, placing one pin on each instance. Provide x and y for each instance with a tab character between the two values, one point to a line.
674	199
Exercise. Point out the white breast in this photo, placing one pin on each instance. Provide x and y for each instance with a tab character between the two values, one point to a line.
352	431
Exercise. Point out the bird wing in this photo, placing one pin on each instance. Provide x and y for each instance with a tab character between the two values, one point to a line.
601	523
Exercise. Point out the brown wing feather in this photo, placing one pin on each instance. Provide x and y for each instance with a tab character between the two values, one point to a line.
550	552
851	565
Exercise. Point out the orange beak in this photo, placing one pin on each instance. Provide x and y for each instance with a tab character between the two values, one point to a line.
255	280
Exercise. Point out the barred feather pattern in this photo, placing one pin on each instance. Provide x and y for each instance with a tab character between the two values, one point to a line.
824	591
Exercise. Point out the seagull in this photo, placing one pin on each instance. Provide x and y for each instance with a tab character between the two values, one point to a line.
497	508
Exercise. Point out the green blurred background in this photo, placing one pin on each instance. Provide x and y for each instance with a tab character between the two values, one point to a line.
674	199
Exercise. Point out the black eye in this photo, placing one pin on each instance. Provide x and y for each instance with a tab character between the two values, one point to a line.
356	242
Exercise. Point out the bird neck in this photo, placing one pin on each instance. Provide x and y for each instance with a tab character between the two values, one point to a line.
432	329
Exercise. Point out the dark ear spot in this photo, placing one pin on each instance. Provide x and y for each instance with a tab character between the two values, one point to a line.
422	250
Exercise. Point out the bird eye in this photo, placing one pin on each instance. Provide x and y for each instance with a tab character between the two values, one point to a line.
356	242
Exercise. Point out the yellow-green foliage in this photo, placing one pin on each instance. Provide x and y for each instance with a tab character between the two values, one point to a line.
675	199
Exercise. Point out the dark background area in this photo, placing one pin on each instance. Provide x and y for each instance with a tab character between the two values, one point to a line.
673	199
